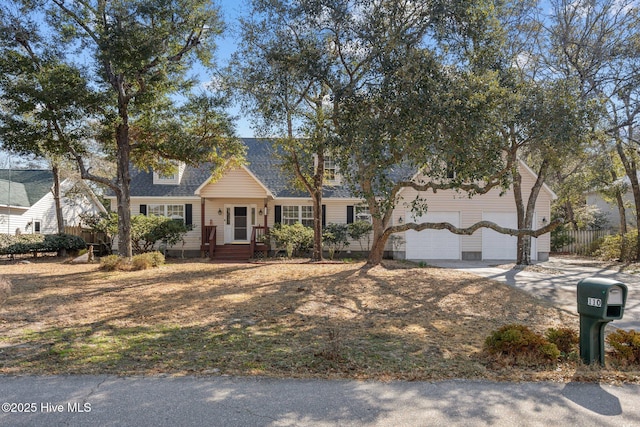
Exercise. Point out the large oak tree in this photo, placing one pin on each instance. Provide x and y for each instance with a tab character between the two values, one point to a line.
135	57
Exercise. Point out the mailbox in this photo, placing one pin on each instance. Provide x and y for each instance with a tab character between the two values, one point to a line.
601	298
599	302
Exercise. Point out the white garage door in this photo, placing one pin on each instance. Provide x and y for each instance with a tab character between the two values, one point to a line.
434	244
502	246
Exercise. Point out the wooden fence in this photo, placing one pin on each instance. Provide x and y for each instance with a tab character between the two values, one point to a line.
99	240
582	240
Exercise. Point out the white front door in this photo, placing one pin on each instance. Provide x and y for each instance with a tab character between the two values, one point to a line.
238	223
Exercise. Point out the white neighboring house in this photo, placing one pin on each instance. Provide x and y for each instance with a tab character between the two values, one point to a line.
610	208
27	205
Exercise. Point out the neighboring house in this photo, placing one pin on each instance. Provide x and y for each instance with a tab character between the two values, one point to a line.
249	198
610	208
27	205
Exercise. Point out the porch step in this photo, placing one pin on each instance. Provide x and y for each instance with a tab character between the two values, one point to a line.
232	253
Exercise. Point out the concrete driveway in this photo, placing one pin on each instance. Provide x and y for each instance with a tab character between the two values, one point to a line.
556	281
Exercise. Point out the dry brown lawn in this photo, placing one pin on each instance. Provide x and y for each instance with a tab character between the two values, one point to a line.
396	321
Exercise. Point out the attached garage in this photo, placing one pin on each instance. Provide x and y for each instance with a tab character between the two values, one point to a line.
502	246
434	244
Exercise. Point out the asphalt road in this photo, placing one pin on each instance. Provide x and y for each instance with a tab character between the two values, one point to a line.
226	401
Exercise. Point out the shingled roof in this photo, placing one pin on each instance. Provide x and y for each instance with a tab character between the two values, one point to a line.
261	161
25	186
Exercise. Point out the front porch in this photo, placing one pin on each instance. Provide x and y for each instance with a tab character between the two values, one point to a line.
256	247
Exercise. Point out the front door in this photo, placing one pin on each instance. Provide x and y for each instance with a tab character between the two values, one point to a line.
238	223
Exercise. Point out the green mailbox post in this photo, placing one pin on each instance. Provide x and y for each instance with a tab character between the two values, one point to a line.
599	302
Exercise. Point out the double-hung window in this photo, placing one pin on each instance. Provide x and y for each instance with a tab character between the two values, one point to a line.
170	211
363	214
290	214
294	214
306	215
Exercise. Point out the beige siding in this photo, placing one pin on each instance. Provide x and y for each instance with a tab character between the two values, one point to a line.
193	237
212	216
235	182
472	208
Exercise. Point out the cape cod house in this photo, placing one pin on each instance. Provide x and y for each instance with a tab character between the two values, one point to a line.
229	215
27	205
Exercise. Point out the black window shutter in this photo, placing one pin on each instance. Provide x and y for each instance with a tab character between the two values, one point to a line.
143	209
188	214
349	214
324	216
278	214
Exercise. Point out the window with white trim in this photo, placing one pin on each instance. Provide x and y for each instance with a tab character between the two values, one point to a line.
330	170
362	213
163	178
294	214
306	215
170	211
290	215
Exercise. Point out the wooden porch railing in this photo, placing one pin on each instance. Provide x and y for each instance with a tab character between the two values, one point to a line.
258	236
209	237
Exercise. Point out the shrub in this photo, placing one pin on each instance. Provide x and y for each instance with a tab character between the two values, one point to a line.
110	262
146	231
104	223
147	260
28	243
294	238
560	238
626	347
335	237
55	242
617	247
138	262
566	339
358	230
522	346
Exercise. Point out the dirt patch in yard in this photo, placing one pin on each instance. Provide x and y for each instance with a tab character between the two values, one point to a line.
337	320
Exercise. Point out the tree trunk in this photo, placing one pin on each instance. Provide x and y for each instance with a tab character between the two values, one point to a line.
525	214
622	213
56	197
379	242
523	255
631	170
123	196
58	205
317	226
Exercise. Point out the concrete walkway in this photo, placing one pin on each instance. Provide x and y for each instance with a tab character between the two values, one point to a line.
226	401
556	281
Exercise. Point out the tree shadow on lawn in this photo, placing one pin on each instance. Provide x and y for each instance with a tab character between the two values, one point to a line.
334	321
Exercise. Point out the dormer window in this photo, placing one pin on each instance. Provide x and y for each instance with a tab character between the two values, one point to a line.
169	178
331	171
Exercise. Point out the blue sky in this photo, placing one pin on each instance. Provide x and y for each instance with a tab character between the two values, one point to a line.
231	10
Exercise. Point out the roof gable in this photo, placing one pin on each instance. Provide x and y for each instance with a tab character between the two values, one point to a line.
13	194
231	181
29	185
